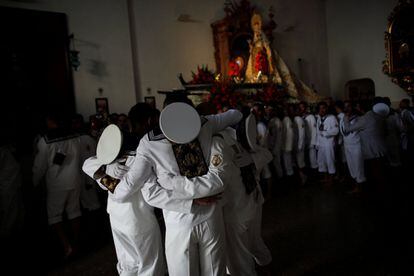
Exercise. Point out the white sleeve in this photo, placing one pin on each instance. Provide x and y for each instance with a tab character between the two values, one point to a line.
157	196
262	134
301	133
288	130
201	186
220	121
91	167
134	179
333	128
357	126
40	164
261	158
313	130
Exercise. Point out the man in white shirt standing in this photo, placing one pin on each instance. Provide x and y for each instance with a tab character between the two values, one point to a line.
288	138
262	138
310	134
275	142
299	125
352	147
58	159
327	129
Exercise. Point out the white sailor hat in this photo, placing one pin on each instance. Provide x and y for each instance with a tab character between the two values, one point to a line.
180	123
109	144
381	109
251	131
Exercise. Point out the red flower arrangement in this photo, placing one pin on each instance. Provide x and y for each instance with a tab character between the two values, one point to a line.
223	93
261	63
270	94
203	75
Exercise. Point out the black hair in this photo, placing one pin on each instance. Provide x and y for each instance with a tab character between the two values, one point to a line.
339	104
177	97
322	103
140	113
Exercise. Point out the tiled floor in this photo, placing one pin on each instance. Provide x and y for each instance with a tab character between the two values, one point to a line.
310	230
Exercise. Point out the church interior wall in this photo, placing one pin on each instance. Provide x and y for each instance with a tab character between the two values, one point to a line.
325	43
102	37
355	31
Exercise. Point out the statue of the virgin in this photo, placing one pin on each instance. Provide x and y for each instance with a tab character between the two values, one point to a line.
260	67
265	65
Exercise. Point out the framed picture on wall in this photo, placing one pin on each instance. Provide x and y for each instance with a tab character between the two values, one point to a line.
102	106
150	101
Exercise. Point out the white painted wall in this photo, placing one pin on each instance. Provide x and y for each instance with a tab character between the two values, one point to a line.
351	32
355	31
102	36
167	47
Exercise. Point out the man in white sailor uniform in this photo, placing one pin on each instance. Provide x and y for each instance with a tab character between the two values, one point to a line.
261	157
288	140
299	147
166	159
327	127
310	134
275	143
58	159
371	128
352	147
135	229
258	111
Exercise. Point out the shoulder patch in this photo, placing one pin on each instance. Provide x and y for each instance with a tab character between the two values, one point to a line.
216	160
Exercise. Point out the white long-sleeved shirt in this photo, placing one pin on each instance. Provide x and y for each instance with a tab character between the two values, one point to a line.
288	134
371	128
134	215
327	128
66	176
275	137
154	155
350	138
310	130
299	124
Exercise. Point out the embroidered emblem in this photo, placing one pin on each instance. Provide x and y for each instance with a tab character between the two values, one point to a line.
216	160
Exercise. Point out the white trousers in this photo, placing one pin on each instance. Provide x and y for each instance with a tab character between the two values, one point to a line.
300	159
277	163
140	254
287	163
326	159
259	249
355	162
313	159
240	260
62	201
197	250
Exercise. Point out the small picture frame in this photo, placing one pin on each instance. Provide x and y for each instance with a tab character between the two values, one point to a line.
101	105
150	101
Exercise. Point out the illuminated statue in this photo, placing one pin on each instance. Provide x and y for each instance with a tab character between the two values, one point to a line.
260	67
266	65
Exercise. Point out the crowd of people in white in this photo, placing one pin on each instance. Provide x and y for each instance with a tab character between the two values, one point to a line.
213	219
